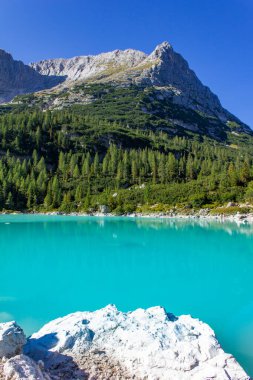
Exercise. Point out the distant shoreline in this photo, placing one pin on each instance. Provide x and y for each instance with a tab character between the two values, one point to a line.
237	218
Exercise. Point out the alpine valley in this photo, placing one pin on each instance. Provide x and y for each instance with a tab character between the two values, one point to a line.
120	132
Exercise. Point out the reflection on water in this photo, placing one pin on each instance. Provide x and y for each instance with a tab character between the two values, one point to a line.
52	265
177	223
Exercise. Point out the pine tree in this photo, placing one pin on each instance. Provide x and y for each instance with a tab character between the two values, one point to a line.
161	169
245	173
232	176
9	204
78	194
76	173
96	165
56	192
61	163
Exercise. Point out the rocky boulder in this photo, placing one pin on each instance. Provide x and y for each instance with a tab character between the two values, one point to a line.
21	367
12	339
150	344
104	209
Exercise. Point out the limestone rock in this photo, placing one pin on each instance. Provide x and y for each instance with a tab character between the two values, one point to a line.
21	367
104	209
12	339
17	78
91	66
150	344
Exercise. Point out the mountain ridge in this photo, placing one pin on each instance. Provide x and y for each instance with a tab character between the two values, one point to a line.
173	87
18	78
163	67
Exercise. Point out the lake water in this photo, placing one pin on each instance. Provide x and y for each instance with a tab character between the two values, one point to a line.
54	265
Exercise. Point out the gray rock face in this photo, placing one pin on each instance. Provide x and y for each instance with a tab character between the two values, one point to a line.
173	70
17	78
92	66
12	339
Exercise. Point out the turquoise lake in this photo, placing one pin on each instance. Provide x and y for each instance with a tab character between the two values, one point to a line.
54	265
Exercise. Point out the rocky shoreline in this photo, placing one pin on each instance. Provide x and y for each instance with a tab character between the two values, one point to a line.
239	218
108	344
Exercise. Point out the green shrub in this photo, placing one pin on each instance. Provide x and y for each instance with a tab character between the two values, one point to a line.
230	210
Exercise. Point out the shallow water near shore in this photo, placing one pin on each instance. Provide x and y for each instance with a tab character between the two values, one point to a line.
55	265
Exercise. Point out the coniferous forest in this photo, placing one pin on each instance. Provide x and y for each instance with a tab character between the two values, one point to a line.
76	159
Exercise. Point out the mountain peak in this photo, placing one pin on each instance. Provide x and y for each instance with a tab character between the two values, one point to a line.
162	48
5	55
3	52
163	69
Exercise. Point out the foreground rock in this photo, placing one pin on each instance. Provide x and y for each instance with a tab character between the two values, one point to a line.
144	344
12	339
22	367
108	344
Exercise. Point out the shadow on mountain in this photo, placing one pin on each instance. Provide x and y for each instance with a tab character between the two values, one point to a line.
52	81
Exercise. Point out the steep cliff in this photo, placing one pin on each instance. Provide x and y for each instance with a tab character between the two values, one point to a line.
17	78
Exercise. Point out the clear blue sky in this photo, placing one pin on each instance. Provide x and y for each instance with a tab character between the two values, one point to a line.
215	36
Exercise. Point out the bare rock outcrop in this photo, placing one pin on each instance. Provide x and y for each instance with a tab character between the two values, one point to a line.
91	66
148	344
111	345
17	78
12	339
21	367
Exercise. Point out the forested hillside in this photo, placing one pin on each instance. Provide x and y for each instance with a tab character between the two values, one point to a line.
121	150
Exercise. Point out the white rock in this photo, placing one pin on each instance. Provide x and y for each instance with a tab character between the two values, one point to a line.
150	343
21	367
12	339
85	67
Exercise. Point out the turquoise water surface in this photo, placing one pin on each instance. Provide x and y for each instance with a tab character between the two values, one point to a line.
54	265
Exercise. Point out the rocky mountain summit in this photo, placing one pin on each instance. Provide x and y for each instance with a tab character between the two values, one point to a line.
165	86
109	344
17	78
163	68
